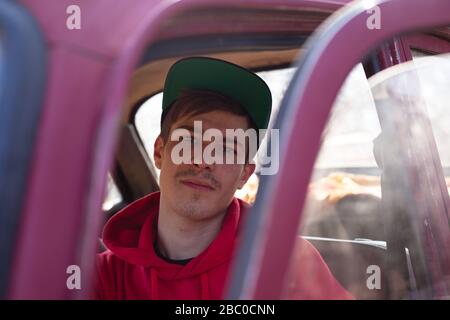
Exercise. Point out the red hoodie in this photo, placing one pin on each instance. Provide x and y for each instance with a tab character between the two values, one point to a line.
131	269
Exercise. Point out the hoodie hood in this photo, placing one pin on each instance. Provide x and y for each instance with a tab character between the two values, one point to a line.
130	235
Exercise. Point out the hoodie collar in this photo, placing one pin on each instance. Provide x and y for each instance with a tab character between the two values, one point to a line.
130	234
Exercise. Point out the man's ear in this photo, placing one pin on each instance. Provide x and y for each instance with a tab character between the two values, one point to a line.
158	151
249	168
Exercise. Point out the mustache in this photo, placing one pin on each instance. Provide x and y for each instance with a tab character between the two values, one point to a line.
203	175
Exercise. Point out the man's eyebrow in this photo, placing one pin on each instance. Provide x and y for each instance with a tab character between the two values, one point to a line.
191	129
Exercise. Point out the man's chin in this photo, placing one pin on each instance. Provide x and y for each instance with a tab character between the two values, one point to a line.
196	207
197	212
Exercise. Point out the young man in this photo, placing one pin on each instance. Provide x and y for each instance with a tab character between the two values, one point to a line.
178	243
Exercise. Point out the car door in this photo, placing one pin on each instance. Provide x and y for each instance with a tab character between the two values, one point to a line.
412	181
22	83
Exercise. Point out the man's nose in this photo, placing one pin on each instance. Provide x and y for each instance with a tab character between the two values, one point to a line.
203	165
200	161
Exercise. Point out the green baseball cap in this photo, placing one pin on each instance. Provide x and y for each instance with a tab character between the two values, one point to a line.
223	77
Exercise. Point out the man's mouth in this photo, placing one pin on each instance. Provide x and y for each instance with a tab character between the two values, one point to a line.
197	184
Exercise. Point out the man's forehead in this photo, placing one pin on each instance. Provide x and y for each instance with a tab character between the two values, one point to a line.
219	119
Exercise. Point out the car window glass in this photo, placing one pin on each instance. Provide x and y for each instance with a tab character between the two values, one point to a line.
113	196
344	190
419	227
375	209
434	98
147	122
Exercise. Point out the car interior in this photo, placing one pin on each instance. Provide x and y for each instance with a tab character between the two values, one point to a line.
357	217
235	37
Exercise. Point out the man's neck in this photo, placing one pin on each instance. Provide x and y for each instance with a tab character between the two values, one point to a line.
182	238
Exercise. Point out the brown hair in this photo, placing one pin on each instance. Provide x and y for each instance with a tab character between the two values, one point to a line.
192	102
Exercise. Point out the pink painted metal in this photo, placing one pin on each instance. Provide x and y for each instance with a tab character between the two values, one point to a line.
429	44
264	278
89	70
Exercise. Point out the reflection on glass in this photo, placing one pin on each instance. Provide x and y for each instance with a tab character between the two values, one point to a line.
377	204
113	195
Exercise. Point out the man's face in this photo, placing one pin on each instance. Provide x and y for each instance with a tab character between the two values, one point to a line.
200	191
